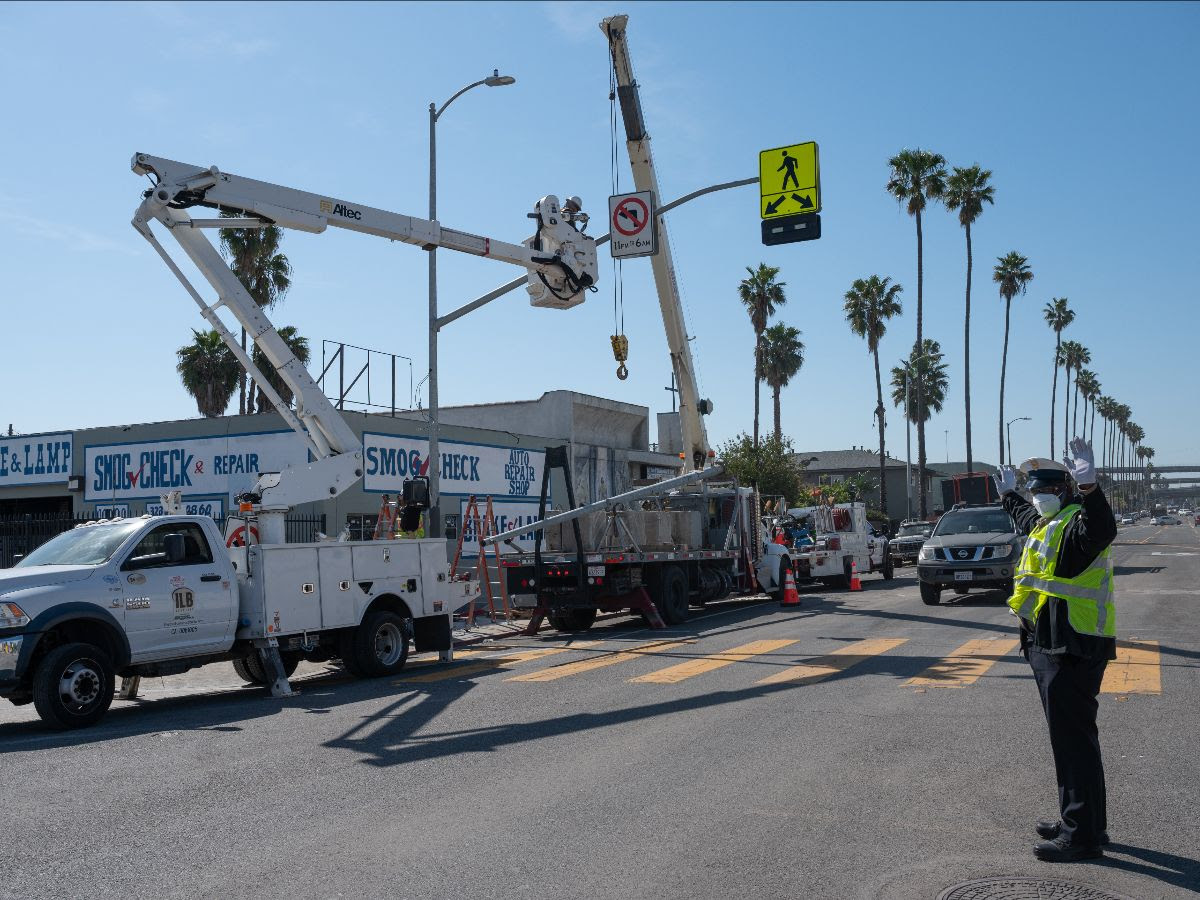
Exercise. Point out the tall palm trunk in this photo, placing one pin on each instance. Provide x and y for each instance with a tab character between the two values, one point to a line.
1067	410
242	382
1054	389
757	370
879	411
924	504
775	389
1075	409
967	353
1003	374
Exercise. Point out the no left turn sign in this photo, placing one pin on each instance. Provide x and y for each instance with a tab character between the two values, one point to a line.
631	219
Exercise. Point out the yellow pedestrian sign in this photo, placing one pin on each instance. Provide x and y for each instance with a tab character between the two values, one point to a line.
789	180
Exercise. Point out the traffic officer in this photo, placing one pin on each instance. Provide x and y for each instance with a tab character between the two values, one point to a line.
1063	597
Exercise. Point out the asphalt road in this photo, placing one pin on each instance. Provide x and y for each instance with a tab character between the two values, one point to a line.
907	755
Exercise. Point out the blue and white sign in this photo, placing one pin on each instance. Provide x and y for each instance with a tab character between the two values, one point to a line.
199	467
507	515
35	459
480	469
214	509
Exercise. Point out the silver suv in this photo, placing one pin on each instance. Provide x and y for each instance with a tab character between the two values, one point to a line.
971	547
908	540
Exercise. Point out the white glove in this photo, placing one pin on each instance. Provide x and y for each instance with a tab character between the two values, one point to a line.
1006	480
1083	469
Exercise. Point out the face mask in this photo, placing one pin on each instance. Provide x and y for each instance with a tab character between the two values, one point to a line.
1046	504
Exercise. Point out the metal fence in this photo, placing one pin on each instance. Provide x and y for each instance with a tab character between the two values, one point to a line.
21	534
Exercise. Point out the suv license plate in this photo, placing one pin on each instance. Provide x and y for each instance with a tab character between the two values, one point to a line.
963	576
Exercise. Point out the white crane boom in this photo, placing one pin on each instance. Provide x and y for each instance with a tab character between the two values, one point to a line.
637	141
561	263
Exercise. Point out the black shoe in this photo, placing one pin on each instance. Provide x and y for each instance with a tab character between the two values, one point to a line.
1060	851
1050	830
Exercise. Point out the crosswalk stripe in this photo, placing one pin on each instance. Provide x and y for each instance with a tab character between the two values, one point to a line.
1136	670
491	664
599	662
839	660
691	668
966	665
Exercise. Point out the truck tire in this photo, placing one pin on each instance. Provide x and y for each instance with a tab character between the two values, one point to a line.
889	567
672	599
930	594
841	582
378	646
574	619
73	686
250	670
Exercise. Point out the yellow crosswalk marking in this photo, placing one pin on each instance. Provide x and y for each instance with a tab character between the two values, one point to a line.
599	662
693	667
491	664
966	665
1136	670
838	661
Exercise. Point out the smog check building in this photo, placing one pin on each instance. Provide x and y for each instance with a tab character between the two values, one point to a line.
491	450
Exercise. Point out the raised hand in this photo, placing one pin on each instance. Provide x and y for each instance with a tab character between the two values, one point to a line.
1006	480
1083	468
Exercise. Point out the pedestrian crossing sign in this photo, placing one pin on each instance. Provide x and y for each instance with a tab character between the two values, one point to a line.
789	180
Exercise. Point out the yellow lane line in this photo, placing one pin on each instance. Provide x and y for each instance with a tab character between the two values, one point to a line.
1136	670
599	662
492	664
693	667
966	664
839	660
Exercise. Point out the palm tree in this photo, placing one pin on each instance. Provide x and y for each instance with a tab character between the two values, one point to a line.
1058	316
1073	353
783	355
1086	386
1012	274
1082	357
209	371
299	347
967	189
869	303
762	296
928	371
264	272
916	177
1105	406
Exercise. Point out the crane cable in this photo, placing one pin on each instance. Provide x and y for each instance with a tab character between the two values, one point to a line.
620	343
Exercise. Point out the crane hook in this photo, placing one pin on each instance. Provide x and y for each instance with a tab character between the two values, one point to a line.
622	372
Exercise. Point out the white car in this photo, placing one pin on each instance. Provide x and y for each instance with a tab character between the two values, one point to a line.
1128	520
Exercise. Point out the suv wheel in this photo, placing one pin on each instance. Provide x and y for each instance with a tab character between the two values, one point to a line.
930	594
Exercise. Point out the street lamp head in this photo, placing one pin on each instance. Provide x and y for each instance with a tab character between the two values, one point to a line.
498	80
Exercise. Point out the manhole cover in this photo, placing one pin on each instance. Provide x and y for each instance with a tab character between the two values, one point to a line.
1025	889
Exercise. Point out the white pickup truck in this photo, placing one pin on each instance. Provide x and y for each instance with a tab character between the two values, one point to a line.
825	543
161	595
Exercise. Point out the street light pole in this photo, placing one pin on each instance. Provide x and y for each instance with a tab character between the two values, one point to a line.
1008	428
435	468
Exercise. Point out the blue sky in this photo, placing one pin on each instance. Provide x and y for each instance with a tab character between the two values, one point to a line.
1086	114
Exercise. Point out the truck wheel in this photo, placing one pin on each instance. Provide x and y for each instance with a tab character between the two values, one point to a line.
378	646
889	567
842	582
930	595
726	583
250	670
73	686
575	619
672	600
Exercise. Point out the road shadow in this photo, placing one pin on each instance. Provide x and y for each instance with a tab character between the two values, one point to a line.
1179	871
1138	570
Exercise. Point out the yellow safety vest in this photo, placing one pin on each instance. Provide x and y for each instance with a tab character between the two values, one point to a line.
1089	595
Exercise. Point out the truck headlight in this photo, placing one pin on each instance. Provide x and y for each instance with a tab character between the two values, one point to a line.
1002	552
926	553
12	616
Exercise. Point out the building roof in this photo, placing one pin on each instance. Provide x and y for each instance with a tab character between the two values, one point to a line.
958	468
854	460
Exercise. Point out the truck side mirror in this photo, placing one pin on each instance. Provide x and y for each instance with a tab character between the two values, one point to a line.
174	548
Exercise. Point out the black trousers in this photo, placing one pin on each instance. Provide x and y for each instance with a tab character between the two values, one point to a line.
1068	686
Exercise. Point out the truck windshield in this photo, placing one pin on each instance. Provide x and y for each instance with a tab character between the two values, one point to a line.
910	530
977	521
90	545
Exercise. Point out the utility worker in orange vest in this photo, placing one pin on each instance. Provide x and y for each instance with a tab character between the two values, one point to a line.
1063	598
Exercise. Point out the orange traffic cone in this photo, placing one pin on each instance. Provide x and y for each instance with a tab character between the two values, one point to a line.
791	597
855	583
